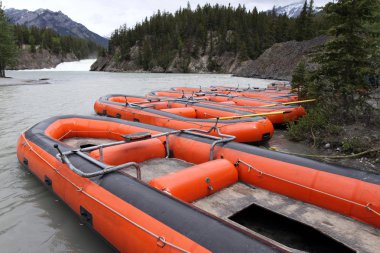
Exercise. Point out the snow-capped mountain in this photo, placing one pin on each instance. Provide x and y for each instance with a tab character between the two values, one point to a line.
57	21
292	10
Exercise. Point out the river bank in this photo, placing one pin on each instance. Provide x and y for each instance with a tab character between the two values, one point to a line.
331	153
8	81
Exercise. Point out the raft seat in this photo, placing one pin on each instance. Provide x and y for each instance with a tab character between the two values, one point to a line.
198	181
138	151
187	112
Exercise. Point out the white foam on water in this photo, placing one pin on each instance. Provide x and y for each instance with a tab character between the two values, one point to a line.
82	65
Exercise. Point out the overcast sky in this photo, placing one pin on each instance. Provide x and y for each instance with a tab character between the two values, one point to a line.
104	16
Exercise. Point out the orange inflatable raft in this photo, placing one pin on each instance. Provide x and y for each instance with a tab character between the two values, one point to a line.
151	189
251	105
267	94
178	114
268	98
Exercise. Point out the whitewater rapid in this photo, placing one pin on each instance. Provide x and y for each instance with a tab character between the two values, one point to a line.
82	65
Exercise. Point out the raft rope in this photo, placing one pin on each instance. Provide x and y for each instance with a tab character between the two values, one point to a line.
250	167
161	241
334	156
273	176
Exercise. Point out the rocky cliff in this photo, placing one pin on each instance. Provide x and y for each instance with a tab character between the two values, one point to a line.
280	60
41	59
277	62
225	63
204	62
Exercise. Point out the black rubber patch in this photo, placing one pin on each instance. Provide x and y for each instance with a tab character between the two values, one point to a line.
48	181
85	215
266	137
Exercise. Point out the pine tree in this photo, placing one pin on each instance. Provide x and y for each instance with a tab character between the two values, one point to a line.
310	9
346	62
211	30
32	43
146	55
301	23
299	79
8	49
309	21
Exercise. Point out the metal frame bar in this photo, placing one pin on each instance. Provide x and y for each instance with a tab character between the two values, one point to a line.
63	156
105	169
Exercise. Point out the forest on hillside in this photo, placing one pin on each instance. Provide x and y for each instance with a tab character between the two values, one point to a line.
215	30
46	38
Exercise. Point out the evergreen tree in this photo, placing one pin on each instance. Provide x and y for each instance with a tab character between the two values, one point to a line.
301	23
47	39
299	79
212	30
146	55
309	21
8	49
346	62
310	9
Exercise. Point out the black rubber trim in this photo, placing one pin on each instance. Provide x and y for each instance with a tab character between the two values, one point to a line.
203	228
331	168
193	223
85	215
48	181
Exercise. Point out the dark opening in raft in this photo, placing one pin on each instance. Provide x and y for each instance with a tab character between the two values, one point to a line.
287	231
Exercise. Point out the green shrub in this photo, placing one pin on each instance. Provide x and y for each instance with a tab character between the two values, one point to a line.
355	145
313	127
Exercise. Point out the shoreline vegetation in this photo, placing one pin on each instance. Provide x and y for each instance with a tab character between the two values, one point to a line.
344	82
341	71
214	39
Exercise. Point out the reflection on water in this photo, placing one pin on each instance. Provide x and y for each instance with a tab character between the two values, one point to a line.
31	217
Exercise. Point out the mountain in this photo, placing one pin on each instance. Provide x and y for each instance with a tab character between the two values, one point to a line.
57	21
293	10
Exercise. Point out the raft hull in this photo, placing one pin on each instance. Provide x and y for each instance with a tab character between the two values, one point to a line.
257	129
134	216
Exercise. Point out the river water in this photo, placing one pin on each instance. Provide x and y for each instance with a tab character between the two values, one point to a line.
32	219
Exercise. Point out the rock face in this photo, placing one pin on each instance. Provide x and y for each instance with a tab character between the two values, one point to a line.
203	63
57	21
206	61
41	59
280	60
225	63
277	62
